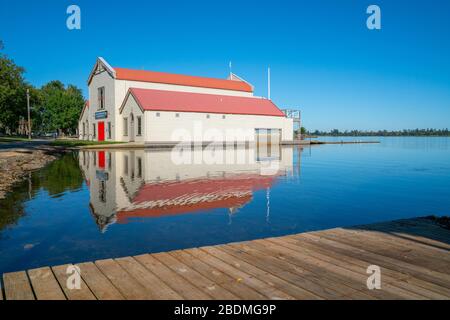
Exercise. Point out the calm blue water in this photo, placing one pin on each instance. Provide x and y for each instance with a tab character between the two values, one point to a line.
95	205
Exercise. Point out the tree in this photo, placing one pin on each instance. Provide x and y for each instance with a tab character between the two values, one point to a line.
60	107
12	94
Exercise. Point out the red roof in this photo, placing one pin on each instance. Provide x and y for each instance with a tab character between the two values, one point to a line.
183	80
163	100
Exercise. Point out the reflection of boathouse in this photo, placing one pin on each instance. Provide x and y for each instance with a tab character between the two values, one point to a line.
149	183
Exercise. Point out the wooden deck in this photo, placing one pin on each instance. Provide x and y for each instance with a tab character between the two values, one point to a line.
413	256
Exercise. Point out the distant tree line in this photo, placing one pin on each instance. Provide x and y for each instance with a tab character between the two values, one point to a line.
54	106
387	133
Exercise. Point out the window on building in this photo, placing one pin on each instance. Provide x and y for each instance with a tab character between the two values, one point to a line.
101	98
158	114
109	160
93	130
84	129
177	115
102	191
109	130
125	126
224	116
125	165
139	167
208	116
139	126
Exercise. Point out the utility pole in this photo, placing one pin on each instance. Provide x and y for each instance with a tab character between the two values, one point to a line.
28	109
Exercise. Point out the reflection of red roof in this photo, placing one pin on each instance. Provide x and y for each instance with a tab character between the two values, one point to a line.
164	100
168	198
232	202
179	79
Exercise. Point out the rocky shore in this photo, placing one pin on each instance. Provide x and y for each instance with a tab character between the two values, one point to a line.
16	164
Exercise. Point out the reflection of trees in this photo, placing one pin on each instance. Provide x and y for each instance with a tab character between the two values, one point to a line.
62	175
59	176
12	207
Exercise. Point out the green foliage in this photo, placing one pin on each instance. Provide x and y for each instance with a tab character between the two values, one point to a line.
62	175
12	93
54	107
60	107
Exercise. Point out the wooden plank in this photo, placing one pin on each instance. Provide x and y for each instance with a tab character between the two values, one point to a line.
236	287
269	291
347	284
441	245
171	278
157	288
337	274
397	278
394	278
45	285
83	293
399	240
420	230
17	286
99	284
122	280
382	261
410	254
215	286
300	278
256	273
412	263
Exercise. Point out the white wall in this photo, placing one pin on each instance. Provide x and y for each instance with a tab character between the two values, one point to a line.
103	79
81	121
131	107
192	126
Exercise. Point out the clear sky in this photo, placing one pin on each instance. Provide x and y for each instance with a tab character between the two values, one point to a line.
323	58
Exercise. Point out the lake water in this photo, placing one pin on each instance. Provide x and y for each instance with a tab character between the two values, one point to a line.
102	204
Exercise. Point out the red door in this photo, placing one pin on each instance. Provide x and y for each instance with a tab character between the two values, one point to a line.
101	131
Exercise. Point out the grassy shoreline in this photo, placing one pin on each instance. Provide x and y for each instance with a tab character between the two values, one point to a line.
80	143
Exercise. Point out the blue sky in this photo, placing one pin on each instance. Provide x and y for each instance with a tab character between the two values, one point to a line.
323	58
